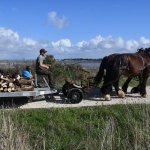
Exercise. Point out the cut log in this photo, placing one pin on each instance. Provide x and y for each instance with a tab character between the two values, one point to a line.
13	89
1	89
5	89
11	85
1	76
5	79
17	88
9	90
1	81
25	81
4	85
27	88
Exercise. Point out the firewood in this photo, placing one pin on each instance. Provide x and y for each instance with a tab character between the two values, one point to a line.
27	88
13	89
10	85
1	81
9	89
5	89
17	88
1	76
4	84
25	81
4	78
1	89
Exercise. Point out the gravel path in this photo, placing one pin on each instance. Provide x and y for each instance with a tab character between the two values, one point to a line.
58	102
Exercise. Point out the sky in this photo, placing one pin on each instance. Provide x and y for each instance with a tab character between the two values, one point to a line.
73	29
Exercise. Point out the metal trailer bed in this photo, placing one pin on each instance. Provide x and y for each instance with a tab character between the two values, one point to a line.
35	93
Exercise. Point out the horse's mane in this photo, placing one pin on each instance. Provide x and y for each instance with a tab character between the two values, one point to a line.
144	50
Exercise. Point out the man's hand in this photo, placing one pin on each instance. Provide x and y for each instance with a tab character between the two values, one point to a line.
49	65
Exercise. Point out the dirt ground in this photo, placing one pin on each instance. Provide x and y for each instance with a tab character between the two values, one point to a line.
58	102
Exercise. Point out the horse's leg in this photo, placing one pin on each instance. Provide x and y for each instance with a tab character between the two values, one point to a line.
137	88
145	76
125	85
119	92
111	77
106	88
116	86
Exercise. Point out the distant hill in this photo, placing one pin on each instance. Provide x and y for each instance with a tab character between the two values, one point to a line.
89	64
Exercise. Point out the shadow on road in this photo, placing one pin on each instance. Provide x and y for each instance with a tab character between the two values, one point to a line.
9	103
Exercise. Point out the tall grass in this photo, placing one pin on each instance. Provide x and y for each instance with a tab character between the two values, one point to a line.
10	137
93	128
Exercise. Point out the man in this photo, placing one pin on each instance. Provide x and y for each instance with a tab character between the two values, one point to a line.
27	73
43	69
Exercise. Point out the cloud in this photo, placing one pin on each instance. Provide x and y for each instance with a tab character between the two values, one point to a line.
62	45
29	42
57	21
144	41
8	34
8	38
12	46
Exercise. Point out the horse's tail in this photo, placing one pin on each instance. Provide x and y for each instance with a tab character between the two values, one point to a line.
100	74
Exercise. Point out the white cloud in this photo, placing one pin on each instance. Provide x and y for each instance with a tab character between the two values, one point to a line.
8	34
131	45
14	47
144	41
82	44
59	22
29	42
62	45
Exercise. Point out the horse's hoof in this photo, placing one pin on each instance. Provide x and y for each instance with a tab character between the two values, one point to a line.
121	94
107	97
135	90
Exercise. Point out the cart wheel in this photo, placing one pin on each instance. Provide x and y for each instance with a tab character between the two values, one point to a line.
49	98
75	96
65	89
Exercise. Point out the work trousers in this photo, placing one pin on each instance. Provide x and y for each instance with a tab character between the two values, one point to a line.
47	73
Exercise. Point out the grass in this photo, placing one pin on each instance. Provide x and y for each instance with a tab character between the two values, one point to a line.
93	128
10	137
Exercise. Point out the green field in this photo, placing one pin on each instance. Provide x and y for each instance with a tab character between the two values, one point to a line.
92	128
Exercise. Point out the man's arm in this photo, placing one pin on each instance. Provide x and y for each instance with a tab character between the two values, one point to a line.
43	65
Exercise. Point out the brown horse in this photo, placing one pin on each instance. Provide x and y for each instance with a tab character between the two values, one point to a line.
128	64
137	88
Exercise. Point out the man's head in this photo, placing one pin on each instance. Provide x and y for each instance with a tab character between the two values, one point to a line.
42	51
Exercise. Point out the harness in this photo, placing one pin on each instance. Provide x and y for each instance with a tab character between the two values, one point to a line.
142	60
123	63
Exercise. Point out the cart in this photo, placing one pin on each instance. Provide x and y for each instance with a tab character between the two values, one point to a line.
73	94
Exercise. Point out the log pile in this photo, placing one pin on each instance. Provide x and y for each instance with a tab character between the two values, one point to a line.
8	84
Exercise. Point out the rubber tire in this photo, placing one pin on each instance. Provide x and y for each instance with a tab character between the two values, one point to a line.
75	96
